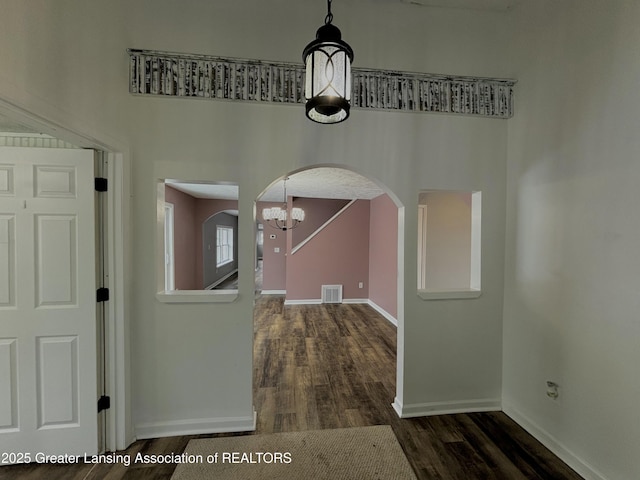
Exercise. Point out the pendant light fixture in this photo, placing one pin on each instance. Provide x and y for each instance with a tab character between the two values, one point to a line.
276	217
328	74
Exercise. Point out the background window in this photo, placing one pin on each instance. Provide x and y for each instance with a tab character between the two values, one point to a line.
224	244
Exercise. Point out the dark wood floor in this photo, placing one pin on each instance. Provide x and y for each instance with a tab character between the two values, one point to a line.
333	366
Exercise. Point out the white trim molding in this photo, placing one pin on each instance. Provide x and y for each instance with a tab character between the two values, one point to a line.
383	312
173	74
445	408
360	301
458	293
32	140
321	227
196	426
578	464
309	301
197	296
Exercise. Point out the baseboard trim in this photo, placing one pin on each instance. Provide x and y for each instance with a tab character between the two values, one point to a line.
567	456
383	312
446	408
196	426
397	406
273	292
362	301
310	301
222	279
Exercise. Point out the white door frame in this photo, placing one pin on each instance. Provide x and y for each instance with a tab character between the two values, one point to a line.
119	433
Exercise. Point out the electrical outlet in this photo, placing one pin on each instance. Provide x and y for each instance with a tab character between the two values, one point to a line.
360	285
552	390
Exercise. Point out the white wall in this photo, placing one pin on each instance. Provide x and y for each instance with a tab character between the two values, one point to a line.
191	364
448	240
573	231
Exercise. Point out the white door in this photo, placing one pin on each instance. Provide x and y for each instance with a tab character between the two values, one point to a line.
47	302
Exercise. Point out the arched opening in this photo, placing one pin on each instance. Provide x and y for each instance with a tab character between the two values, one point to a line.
328	317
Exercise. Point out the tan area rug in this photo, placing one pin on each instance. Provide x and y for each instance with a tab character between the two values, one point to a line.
371	453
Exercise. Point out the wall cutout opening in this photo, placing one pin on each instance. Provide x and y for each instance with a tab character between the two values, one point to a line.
449	244
199	241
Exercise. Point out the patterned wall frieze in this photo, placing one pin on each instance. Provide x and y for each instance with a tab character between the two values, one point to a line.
32	140
203	76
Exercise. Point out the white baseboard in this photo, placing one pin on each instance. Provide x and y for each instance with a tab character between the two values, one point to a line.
445	408
383	312
397	406
355	300
364	301
273	292
196	426
222	279
310	301
549	441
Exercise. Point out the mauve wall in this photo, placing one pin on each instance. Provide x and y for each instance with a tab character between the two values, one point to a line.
184	239
274	264
205	208
318	211
383	254
338	255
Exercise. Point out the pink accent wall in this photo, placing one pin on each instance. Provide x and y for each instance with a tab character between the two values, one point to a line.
274	265
183	238
323	209
339	254
383	254
189	214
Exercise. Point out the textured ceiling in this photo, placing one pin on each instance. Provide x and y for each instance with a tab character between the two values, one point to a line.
206	190
325	182
320	182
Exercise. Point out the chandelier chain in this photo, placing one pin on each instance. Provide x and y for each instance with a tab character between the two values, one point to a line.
329	18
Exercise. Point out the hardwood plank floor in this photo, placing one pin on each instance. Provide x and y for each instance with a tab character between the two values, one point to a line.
334	366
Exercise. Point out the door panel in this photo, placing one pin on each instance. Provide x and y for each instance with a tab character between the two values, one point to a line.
8	376
47	302
7	260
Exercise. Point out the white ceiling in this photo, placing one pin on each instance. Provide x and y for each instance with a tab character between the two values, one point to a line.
469	4
324	182
219	191
319	182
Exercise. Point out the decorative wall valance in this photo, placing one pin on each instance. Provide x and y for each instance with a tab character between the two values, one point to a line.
203	76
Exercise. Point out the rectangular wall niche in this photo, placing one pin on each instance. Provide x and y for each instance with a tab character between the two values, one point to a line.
204	76
449	231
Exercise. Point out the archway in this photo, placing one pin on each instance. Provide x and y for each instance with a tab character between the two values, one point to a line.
348	217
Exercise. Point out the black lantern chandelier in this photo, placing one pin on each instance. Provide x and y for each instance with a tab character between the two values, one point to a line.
328	74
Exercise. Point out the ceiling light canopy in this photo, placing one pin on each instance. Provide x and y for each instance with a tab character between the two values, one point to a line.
328	74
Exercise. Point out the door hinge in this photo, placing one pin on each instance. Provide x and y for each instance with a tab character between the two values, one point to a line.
104	403
101	184
102	294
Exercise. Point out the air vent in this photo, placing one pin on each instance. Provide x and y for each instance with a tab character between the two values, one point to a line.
331	293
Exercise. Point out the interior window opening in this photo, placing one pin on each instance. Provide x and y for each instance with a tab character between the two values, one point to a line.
449	244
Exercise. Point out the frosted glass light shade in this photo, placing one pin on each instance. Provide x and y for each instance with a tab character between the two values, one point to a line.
328	76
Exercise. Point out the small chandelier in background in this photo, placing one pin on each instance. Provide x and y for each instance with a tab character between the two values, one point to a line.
328	74
276	217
